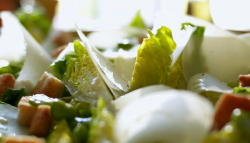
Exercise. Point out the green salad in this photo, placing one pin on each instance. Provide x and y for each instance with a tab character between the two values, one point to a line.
167	88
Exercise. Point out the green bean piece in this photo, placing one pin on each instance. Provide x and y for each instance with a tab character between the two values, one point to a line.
61	110
80	133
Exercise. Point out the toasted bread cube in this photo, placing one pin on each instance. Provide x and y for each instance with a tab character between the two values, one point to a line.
48	85
26	112
41	121
6	81
244	80
22	139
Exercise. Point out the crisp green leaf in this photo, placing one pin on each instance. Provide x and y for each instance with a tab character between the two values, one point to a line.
59	69
154	59
176	77
13	68
138	21
12	96
82	78
35	22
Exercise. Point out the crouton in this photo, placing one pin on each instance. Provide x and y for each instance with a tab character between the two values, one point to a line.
244	80
48	85
225	106
6	81
58	51
25	112
22	139
41	121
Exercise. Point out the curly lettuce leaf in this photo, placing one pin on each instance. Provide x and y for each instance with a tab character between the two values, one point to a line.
12	96
138	21
154	59
101	126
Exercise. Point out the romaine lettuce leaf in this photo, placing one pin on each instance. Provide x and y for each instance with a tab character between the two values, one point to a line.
112	76
80	76
138	21
12	96
35	22
154	59
176	77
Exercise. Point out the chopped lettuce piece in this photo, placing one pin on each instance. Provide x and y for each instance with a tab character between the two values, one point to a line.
242	90
12	96
59	69
138	21
35	22
101	126
60	134
13	68
176	77
196	64
154	59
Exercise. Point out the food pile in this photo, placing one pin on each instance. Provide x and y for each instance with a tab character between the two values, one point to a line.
182	81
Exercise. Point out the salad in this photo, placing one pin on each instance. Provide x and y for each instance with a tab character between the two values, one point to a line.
171	84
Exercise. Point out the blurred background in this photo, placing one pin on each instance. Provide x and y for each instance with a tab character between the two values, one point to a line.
52	22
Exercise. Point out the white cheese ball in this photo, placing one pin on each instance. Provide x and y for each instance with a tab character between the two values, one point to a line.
170	116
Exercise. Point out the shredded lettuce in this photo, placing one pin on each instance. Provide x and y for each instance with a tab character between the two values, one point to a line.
154	59
12	96
138	21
